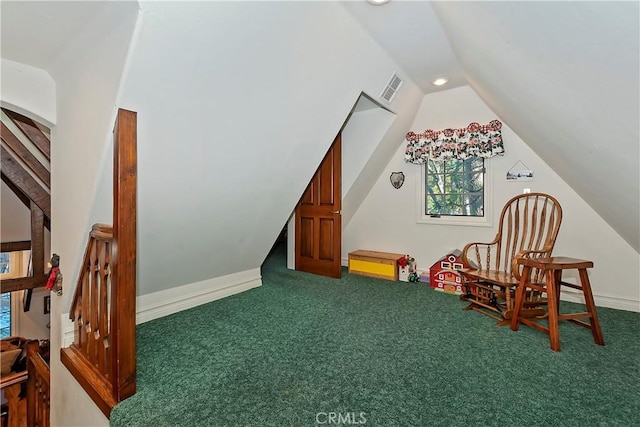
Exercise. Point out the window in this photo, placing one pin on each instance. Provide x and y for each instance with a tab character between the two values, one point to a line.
5	263
5	314
10	267
455	187
455	192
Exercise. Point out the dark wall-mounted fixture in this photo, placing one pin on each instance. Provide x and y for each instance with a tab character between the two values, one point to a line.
397	179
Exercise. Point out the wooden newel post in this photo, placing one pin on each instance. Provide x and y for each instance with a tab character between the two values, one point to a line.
123	280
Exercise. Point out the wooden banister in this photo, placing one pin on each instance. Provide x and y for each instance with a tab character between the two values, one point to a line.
123	304
11	384
102	357
38	388
32	409
101	234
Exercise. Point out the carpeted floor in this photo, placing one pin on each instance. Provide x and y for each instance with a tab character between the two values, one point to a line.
375	353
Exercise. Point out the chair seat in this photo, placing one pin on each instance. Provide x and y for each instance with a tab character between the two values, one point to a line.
491	276
500	286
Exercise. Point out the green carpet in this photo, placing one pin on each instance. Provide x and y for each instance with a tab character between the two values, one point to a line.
375	353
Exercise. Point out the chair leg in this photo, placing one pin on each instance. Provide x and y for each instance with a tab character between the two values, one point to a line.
558	281
554	334
520	291
591	307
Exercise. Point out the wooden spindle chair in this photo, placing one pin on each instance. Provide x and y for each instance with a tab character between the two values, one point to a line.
528	227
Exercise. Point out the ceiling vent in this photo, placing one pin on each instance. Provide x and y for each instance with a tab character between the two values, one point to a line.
392	88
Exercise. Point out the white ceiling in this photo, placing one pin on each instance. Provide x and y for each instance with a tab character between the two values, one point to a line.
408	30
412	35
572	66
36	32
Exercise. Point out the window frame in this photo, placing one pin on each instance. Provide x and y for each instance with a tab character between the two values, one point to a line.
473	221
15	266
16	269
11	314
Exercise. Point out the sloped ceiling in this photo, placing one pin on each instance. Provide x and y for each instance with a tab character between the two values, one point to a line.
564	76
36	32
238	102
410	33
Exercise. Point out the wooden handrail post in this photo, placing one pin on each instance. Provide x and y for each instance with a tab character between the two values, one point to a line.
103	355
123	314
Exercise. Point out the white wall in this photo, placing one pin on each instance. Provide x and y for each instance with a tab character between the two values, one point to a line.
15	218
33	323
16	226
29	91
235	115
254	87
360	137
386	221
88	75
564	75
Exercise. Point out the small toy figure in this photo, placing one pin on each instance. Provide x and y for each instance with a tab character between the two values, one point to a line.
54	283
407	269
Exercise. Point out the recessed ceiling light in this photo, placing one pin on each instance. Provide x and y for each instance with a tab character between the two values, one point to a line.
440	81
378	2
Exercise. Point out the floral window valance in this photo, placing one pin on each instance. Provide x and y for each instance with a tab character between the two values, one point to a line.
474	140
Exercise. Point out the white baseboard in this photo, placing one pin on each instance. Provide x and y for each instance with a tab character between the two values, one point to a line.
67	330
163	303
603	301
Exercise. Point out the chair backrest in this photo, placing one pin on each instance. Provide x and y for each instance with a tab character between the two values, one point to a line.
528	222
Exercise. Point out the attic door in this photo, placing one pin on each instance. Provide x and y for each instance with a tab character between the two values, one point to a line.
318	230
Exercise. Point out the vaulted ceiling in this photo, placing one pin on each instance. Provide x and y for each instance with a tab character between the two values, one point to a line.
562	75
35	33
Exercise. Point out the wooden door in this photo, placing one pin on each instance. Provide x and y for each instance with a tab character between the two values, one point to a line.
318	219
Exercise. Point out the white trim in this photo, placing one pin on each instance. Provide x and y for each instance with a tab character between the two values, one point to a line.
163	303
16	309
602	301
16	266
67	330
484	221
291	242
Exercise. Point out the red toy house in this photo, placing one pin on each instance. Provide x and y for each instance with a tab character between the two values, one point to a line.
445	275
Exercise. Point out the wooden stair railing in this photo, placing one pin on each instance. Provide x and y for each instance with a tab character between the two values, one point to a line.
38	389
90	357
11	385
32	375
15	409
102	357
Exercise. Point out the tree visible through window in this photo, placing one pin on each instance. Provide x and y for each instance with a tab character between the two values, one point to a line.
5	314
5	263
9	267
455	187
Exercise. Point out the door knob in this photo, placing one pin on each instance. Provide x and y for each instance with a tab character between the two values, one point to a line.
336	212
